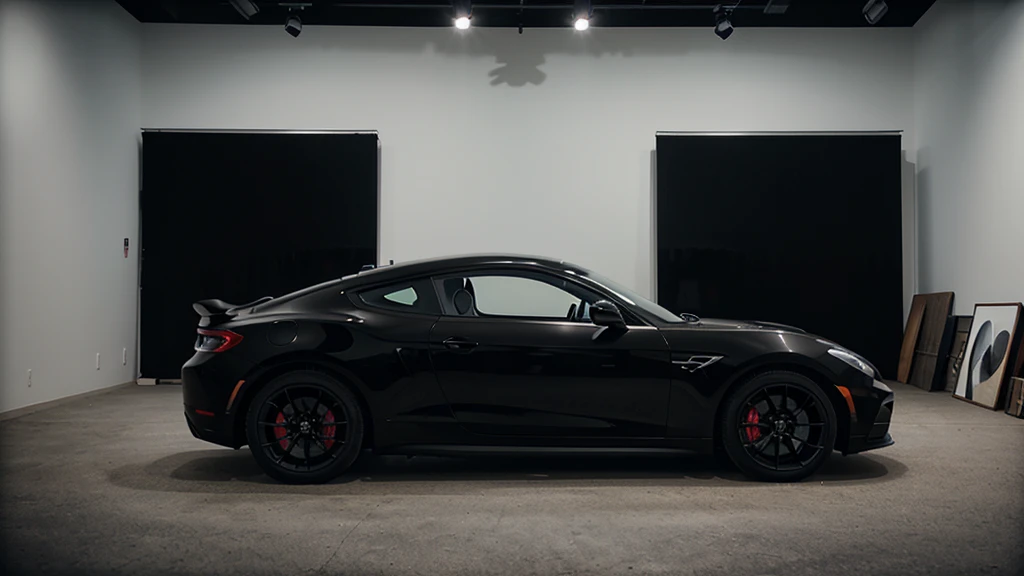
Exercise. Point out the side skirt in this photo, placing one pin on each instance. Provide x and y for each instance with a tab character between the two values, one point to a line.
543	451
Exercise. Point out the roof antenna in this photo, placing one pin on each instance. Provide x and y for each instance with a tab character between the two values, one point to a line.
521	16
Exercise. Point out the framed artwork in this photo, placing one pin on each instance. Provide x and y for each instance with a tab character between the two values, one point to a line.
986	363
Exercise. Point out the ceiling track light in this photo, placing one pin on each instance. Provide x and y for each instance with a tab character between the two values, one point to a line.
293	24
874	10
582	10
463	13
247	8
723	26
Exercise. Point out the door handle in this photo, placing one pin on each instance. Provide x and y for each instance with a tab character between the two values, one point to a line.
459	344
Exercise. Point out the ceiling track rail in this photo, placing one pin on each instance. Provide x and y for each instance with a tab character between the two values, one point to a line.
567	6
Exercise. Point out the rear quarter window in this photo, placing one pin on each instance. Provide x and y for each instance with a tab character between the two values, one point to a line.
416	297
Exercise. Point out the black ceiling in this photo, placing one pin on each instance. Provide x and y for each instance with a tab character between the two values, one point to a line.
531	13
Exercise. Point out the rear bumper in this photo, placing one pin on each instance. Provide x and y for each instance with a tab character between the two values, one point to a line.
218	430
207	381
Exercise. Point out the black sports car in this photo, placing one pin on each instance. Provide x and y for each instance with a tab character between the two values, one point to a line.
503	354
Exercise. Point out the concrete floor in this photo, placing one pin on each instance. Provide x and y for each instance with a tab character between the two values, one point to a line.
115	484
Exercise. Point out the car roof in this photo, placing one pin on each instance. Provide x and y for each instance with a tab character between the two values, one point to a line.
430	266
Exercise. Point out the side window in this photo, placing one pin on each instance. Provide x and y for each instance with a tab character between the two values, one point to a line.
406	296
510	295
415	297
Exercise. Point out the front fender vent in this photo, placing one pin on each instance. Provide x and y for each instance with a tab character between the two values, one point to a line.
694	363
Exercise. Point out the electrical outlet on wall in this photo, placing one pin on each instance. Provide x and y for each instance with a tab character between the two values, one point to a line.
97	360
29	377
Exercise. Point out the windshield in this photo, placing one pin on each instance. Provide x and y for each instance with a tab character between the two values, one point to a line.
631	297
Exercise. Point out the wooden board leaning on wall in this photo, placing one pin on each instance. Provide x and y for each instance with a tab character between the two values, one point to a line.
925	339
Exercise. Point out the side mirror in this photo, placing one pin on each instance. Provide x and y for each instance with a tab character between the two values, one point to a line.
604	313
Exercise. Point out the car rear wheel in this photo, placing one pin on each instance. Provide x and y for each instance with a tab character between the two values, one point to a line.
304	427
779	427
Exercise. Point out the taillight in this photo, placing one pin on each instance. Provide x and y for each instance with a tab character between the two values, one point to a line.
216	340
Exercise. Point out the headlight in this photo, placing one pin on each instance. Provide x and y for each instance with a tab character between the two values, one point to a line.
853	360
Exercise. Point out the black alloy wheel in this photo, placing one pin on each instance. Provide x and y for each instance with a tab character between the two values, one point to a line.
304	427
779	426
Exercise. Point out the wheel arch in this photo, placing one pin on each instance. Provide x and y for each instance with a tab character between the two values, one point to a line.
798	365
274	367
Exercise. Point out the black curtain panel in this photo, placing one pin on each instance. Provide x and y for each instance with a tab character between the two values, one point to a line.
801	229
238	216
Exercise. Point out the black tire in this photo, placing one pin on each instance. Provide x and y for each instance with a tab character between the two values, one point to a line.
320	432
791	432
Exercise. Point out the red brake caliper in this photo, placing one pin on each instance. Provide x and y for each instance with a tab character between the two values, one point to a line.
280	432
328	430
753	432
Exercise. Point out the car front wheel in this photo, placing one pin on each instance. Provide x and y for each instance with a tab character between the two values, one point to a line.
778	426
304	427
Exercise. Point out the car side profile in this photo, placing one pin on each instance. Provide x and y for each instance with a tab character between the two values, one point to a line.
516	354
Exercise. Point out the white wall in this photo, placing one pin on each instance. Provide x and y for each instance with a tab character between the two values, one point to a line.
492	141
540	143
69	119
969	120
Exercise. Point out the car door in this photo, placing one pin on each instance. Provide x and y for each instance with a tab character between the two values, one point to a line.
515	354
393	355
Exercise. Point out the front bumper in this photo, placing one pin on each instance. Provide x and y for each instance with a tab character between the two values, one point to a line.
863	444
869	427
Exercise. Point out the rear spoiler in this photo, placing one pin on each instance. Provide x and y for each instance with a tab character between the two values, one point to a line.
366	267
224	310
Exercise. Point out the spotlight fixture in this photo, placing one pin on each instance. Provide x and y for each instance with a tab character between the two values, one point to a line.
293	24
874	10
582	10
247	8
723	27
463	12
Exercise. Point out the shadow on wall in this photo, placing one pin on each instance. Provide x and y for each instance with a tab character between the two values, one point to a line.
926	255
520	56
652	248
908	204
518	69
